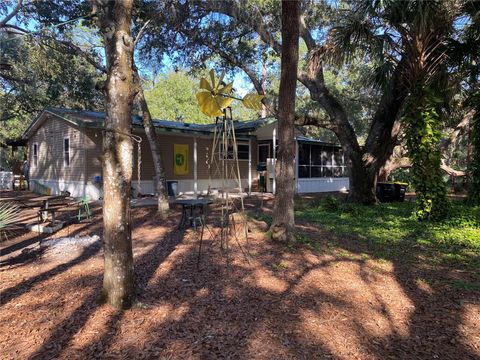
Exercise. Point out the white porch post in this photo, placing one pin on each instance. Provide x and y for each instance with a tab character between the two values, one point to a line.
195	185
296	162
274	161
249	166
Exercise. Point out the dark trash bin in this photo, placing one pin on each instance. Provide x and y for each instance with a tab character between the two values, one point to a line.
388	191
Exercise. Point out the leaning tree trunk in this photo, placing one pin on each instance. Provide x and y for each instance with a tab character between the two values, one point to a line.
283	219
160	179
118	279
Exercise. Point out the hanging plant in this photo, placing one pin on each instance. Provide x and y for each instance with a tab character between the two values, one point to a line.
423	136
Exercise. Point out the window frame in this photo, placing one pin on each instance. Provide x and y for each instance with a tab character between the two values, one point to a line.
243	152
64	153
35	153
229	154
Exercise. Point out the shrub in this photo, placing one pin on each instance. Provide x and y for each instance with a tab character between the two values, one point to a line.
331	203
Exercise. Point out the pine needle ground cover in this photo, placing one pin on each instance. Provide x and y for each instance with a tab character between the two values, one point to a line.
391	230
342	291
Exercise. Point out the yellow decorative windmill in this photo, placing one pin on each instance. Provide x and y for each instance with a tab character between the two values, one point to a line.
214	99
215	96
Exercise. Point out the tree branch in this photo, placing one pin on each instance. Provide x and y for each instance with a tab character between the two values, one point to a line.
72	48
257	83
14	12
307	119
255	20
306	35
458	129
140	33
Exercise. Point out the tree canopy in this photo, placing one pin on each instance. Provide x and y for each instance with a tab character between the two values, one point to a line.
171	96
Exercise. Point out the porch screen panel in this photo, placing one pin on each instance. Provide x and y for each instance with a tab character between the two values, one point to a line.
303	160
327	162
263	152
337	163
315	161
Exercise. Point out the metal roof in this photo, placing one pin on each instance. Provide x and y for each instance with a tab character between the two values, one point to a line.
85	118
306	140
95	119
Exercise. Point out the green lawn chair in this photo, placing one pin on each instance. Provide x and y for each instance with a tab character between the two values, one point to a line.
83	209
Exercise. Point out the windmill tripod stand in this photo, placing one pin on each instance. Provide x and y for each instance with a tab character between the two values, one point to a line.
223	165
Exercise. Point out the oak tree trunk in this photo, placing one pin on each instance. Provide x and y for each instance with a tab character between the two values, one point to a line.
283	218
160	178
363	181
118	280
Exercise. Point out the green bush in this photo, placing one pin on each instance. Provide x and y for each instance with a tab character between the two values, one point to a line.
331	203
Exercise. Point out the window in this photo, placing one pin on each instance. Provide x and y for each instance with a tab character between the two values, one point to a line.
242	152
316	161
66	152
35	154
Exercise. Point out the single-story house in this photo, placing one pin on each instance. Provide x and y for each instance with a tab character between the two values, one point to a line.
65	154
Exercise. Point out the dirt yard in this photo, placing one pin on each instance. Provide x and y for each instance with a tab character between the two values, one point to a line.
284	303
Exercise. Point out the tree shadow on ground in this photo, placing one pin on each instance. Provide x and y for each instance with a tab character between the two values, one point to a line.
62	335
433	326
258	310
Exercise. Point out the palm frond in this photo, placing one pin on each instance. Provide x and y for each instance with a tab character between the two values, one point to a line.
382	75
9	214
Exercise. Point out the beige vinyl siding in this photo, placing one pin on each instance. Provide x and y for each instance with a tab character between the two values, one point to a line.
93	148
167	141
50	137
93	145
93	153
204	151
166	146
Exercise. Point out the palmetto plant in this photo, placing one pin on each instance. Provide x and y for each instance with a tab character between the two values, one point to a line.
9	214
412	34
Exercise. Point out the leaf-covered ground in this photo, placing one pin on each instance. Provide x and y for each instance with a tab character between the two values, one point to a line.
331	295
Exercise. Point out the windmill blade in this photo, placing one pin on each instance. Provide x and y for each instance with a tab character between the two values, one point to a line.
223	102
205	85
253	101
220	80
212	77
208	105
227	89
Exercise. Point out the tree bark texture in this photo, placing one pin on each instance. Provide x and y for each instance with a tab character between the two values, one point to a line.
160	178
118	280
283	218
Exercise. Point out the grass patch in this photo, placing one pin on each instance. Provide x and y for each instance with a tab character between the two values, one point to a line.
262	217
391	230
307	241
465	286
